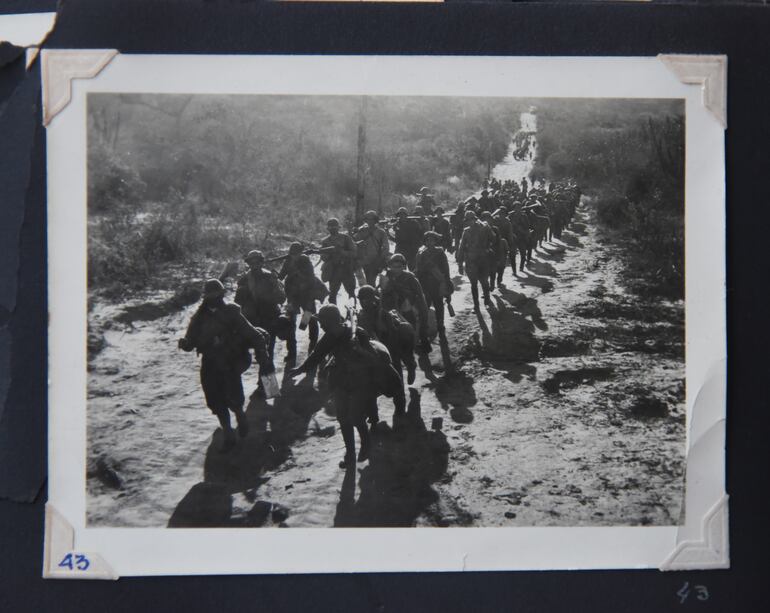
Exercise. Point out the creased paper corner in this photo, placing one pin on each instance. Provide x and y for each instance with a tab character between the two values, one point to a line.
60	558
702	541
60	66
712	550
708	71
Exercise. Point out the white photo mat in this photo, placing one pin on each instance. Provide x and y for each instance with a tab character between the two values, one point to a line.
699	543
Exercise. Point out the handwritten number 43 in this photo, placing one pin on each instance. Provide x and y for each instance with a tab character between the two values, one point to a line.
701	592
75	561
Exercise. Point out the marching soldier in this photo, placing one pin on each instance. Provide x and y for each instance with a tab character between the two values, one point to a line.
473	256
222	336
504	227
260	295
373	247
303	288
408	236
426	201
400	290
422	220
391	329
432	272
485	203
441	225
337	268
359	372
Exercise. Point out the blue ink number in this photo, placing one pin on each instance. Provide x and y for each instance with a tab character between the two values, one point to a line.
76	561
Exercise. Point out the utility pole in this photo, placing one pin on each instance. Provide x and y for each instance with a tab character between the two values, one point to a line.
361	165
489	161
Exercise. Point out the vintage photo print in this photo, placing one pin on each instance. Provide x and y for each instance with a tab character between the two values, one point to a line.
466	313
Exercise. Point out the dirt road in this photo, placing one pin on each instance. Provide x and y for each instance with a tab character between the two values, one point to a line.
566	408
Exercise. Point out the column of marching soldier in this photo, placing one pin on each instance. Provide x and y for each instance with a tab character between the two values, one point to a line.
362	355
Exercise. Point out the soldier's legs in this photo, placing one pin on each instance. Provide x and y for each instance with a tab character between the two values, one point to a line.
235	399
438	305
370	272
214	384
349	283
483	279
512	257
475	293
334	288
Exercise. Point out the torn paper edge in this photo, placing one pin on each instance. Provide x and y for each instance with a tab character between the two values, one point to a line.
708	71
59	67
26	29
60	558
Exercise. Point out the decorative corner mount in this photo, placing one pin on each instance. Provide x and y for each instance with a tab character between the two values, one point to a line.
709	71
711	551
61	560
60	66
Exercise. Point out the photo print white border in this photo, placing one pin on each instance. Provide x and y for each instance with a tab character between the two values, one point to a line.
700	542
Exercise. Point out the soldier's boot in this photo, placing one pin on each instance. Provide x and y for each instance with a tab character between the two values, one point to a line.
424	346
228	441
411	368
243	424
475	295
348	435
500	272
399	402
363	433
291	350
313	335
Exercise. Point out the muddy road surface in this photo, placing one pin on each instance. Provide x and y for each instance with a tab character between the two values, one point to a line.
563	406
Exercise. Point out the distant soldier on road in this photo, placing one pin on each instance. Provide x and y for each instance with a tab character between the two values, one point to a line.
441	224
473	256
260	295
408	236
400	290
422	220
432	272
426	201
373	247
485	203
338	266
222	336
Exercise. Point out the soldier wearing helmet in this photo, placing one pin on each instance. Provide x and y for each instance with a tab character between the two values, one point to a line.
426	201
473	256
373	247
338	266
222	337
400	290
407	235
303	288
260	295
441	225
432	272
358	372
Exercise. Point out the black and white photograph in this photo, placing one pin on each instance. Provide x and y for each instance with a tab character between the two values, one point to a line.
384	310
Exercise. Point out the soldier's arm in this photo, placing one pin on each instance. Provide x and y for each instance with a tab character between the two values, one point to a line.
422	305
256	341
190	340
314	359
283	273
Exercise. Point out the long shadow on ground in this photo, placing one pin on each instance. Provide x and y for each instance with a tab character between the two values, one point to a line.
396	484
209	504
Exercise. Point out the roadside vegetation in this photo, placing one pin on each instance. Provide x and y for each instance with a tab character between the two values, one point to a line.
628	156
179	179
